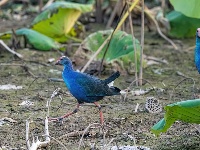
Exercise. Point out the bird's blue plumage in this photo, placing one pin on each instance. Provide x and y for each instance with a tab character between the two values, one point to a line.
84	87
197	50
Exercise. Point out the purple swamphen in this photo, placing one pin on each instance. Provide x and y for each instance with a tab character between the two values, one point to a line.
197	50
84	87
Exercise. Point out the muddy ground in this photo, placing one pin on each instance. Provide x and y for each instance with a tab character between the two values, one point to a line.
124	126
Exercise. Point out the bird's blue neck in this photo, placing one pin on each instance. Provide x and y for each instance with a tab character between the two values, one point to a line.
197	53
197	49
198	44
68	68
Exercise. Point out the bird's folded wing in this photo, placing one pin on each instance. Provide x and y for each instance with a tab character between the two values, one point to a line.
92	86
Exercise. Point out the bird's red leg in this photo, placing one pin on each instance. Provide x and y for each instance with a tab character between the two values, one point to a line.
66	115
100	112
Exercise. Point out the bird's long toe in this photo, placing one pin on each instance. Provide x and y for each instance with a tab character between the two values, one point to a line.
59	119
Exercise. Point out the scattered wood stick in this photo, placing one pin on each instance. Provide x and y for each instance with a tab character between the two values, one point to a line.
37	143
108	38
96	53
54	94
2	2
190	48
74	134
107	145
134	46
136	108
47	4
112	16
148	13
10	50
85	131
185	79
55	80
142	44
58	142
8	119
160	60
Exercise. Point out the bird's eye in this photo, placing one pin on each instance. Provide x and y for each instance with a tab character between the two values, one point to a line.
197	30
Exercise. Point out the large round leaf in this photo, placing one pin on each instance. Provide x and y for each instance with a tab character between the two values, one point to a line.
121	44
187	111
181	25
58	19
189	8
38	40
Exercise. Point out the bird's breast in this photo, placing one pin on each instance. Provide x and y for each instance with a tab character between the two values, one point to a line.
75	89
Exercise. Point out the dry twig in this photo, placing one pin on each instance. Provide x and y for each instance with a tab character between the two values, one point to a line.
134	45
187	78
117	5
2	2
37	143
108	38
10	50
148	13
59	142
142	45
85	131
47	4
74	134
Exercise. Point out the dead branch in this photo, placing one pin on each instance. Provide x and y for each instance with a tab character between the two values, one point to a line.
8	120
85	131
59	142
160	60
55	80
190	48
54	94
2	2
136	107
37	143
134	45
185	79
47	4
74	134
142	45
96	53
109	37
10	50
148	13
117	5
107	145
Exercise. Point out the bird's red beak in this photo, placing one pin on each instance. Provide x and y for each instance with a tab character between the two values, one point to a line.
57	62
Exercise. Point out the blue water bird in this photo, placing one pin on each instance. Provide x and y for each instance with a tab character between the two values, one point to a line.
86	88
197	50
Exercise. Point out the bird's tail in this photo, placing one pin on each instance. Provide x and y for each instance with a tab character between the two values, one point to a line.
115	90
112	77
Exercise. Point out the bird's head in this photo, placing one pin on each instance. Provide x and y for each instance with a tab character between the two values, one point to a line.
63	61
198	32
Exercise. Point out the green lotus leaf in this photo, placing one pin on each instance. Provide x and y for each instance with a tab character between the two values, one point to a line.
181	25
187	111
38	40
58	19
121	45
189	8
